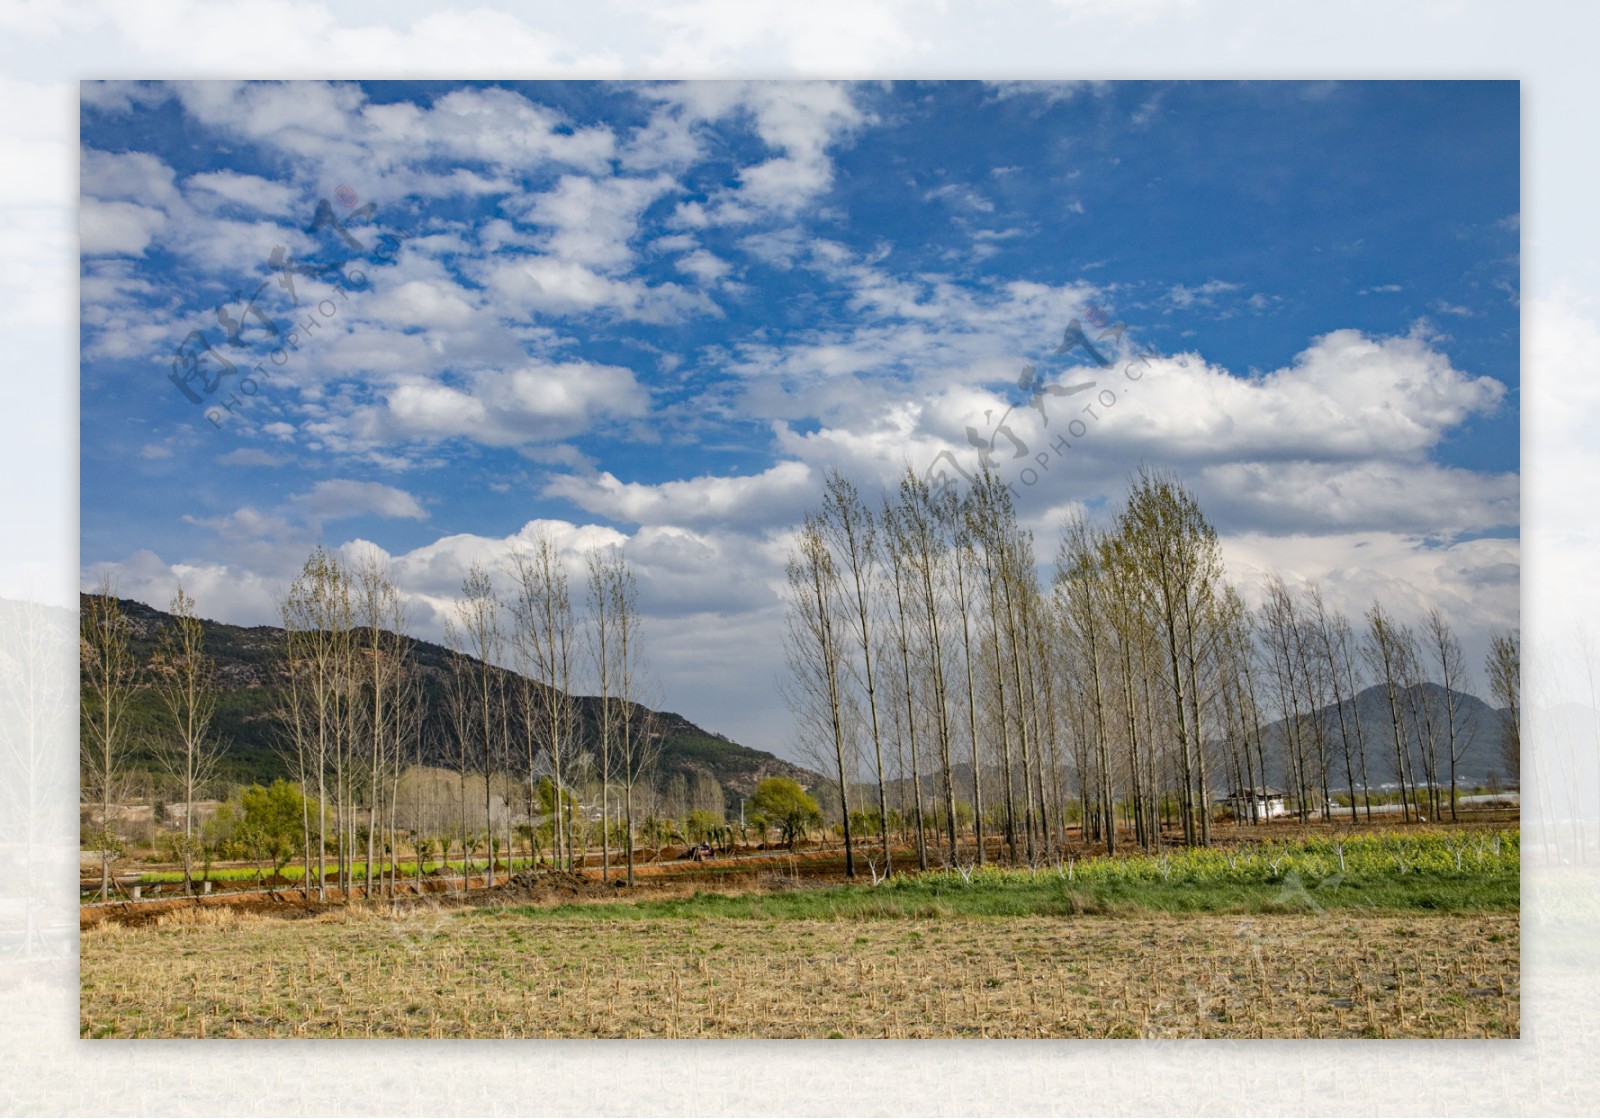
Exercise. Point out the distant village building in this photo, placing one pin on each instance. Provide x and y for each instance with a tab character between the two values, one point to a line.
1267	802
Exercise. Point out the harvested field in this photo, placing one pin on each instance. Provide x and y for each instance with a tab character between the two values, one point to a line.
431	972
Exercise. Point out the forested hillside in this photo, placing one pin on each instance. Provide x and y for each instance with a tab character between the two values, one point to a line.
249	724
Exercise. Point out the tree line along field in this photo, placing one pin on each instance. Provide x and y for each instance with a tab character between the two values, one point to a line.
1380	935
945	689
1093	723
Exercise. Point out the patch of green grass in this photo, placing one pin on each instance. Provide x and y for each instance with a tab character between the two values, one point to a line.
1381	873
1051	897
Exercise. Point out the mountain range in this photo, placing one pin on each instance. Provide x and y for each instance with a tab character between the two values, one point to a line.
248	700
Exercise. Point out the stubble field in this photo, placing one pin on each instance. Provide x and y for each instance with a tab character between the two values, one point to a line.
428	972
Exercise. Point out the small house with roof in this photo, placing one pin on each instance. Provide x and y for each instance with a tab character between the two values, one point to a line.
1257	803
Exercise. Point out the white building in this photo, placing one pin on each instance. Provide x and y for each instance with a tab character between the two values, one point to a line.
1268	803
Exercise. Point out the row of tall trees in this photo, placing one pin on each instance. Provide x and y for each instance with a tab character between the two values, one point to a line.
182	676
358	713
930	664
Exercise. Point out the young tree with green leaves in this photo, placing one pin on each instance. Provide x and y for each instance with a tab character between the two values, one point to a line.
782	801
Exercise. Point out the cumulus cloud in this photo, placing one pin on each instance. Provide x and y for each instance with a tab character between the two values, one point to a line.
798	121
591	221
335	498
1346	396
116	227
547	284
773	496
250	192
532	403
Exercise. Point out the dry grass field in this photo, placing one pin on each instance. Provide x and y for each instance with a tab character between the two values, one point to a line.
492	973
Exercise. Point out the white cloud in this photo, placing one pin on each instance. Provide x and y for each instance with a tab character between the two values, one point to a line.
535	402
548	285
1203	295
591	221
384	150
335	498
800	121
248	191
704	266
127	177
780	248
772	497
1048	92
959	196
250	456
1347	396
117	227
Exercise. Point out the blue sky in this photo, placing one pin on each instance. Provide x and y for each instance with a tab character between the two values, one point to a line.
653	315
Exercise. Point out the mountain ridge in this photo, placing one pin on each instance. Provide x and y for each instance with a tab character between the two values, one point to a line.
244	658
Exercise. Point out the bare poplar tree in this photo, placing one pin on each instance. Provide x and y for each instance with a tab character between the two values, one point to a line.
966	590
543	640
638	740
1385	648
814	649
1503	666
1280	625
900	545
185	681
1019	587
987	524
605	571
1347	647
1132	638
1331	637
852	533
478	625
109	675
1080	594
381	614
460	710
1175	549
408	720
317	660
1446	651
924	548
